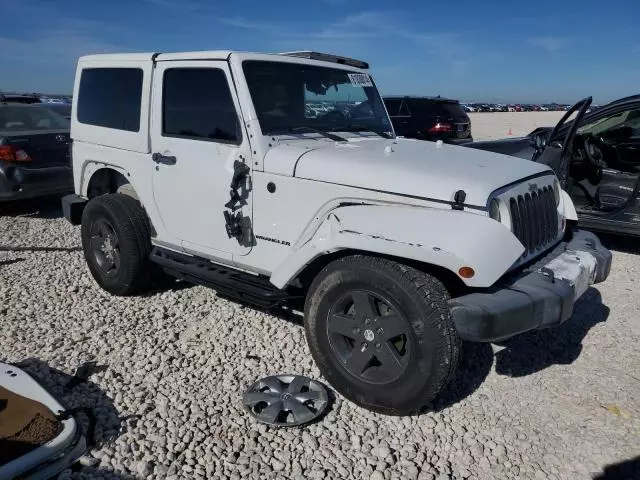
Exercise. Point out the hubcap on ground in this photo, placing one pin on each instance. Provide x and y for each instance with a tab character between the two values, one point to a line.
285	400
369	336
105	247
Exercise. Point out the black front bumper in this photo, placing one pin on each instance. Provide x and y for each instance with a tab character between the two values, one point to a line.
533	300
17	183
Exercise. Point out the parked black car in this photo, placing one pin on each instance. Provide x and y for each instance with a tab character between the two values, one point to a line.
34	152
429	118
597	159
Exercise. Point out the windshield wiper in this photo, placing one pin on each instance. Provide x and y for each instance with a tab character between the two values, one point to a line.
364	128
332	136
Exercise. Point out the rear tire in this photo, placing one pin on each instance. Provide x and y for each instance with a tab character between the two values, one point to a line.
396	356
116	241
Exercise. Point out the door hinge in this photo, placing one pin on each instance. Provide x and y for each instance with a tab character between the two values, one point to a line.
233	224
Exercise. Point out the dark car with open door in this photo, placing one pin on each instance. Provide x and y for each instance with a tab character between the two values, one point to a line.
34	152
429	118
596	156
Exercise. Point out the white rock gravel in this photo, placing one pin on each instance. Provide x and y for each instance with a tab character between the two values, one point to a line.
558	404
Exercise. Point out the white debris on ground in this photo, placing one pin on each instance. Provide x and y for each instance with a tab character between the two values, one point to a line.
557	404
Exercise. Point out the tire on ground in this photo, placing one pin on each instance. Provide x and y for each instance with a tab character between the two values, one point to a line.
131	225
422	301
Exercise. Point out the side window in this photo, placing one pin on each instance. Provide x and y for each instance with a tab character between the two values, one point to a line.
404	110
197	104
393	105
111	97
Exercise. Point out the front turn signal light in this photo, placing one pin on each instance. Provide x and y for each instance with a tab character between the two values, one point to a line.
466	272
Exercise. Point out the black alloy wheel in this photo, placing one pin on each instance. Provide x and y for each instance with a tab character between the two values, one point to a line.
369	336
105	247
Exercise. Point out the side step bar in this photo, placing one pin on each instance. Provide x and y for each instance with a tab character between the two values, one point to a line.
253	289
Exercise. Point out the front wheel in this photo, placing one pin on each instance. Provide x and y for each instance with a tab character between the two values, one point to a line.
381	333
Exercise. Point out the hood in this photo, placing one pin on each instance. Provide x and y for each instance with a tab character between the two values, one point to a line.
515	147
403	166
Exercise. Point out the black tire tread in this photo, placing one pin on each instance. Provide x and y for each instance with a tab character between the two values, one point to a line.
133	224
431	291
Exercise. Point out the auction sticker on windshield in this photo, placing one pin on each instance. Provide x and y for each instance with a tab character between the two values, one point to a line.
360	79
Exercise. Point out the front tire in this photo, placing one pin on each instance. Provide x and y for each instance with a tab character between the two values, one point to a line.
116	241
381	333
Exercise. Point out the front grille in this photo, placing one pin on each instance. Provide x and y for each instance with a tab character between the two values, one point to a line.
534	219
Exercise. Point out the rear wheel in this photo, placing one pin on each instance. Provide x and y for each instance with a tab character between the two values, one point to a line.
116	241
381	333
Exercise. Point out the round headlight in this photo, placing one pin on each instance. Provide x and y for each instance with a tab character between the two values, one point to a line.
494	210
556	191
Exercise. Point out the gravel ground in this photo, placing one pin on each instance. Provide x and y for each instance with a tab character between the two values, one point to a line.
558	404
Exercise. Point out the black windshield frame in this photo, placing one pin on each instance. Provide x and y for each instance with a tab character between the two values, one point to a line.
282	87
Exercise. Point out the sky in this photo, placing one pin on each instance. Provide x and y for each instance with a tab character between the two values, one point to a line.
485	51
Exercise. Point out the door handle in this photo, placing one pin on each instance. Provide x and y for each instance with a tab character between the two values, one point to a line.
164	159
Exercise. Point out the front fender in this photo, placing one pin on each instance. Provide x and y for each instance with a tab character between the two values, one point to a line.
446	238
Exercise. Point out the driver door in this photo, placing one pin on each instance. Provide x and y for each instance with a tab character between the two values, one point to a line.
196	136
557	152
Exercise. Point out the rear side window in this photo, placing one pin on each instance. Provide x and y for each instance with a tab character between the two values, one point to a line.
197	104
422	107
453	109
393	105
111	97
404	110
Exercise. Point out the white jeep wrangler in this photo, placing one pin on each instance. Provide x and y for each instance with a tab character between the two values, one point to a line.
273	178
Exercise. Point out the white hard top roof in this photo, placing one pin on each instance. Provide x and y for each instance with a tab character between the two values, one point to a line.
304	56
112	57
202	55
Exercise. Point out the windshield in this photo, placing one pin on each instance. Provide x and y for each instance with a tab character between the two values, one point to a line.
288	96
